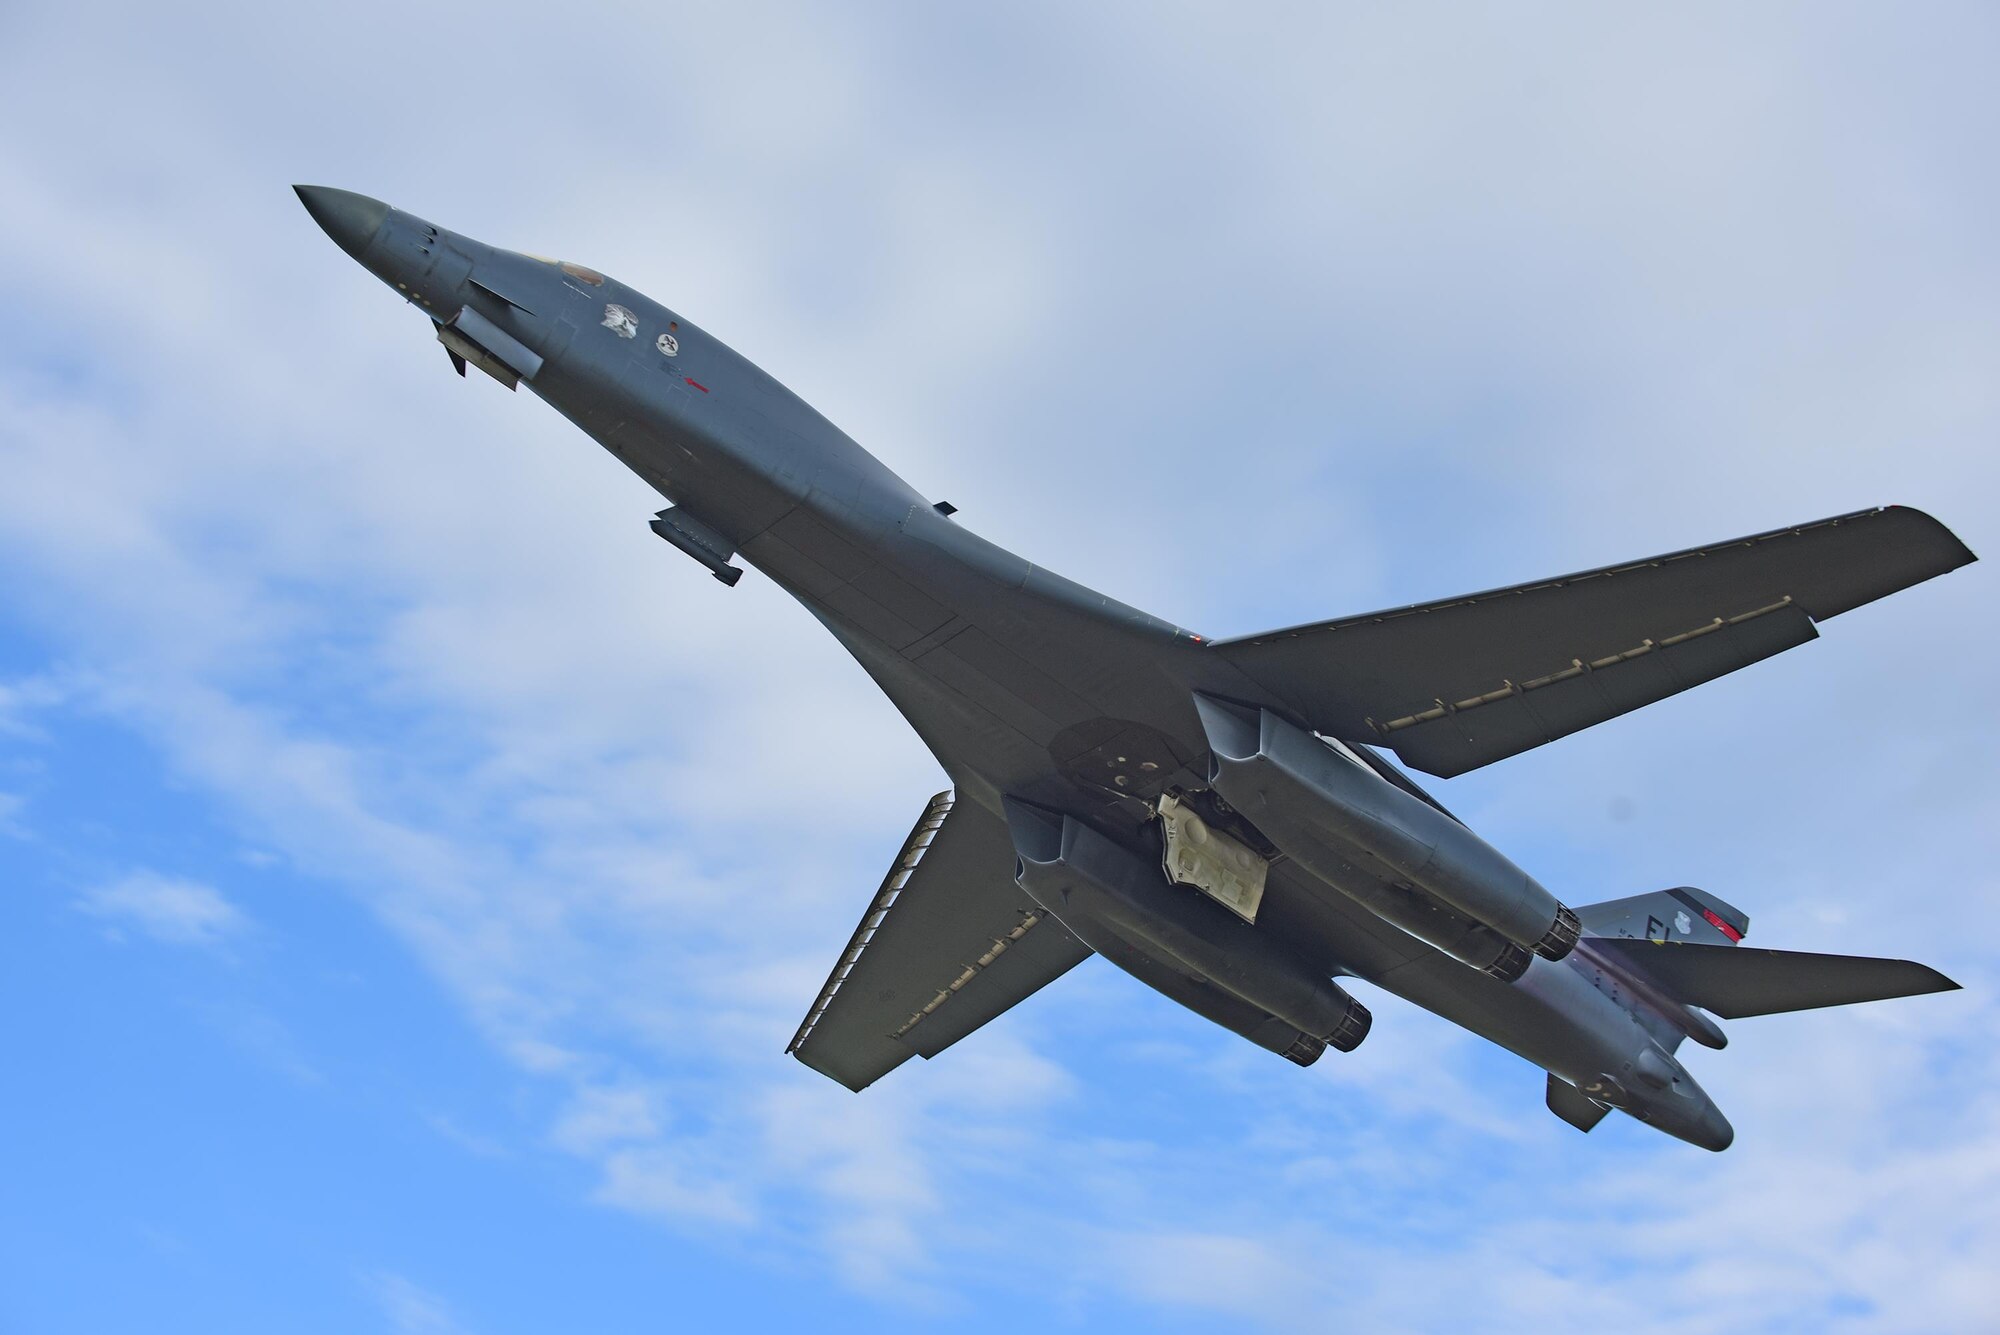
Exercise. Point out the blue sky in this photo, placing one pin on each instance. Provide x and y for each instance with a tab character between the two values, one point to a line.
411	870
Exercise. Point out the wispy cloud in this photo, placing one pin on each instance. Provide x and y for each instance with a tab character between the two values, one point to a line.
598	1118
409	1308
21	700
1417	313
166	908
654	1181
261	1036
472	1142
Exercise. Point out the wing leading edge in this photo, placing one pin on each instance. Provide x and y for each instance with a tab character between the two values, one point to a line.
1453	685
948	943
1737	982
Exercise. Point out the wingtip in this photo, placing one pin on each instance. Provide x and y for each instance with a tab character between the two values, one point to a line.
1933	981
1954	545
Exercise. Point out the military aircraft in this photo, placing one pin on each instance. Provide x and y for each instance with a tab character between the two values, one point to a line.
1215	818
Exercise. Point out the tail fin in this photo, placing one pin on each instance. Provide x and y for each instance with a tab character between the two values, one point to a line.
1675	953
1736	984
1683	914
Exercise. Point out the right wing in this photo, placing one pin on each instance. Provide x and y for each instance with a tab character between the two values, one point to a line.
1737	982
1457	684
948	942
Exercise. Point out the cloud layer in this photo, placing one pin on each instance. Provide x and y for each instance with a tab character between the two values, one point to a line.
164	907
1247	321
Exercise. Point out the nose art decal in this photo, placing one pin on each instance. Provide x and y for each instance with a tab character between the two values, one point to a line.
620	321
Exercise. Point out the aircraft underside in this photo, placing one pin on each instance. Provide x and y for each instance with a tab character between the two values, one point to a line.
1213	818
1242	868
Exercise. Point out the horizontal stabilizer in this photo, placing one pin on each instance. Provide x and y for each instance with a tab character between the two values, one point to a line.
1460	683
1573	1105
1737	981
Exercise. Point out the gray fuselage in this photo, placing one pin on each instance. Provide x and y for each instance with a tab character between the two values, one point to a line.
1025	685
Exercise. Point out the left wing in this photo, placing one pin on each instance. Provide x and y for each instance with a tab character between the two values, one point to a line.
948	942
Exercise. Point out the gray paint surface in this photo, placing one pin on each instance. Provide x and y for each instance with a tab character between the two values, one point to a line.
1054	707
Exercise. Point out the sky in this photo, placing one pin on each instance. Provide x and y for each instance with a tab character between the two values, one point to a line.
411	870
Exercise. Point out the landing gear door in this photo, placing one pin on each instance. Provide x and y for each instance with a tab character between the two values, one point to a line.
1220	866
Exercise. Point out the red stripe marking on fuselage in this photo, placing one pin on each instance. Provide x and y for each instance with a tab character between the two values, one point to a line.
1719	925
696	383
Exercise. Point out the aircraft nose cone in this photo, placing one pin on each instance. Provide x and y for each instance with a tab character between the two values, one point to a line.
350	219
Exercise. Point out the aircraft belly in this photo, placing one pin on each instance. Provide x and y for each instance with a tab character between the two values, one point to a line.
1552	1016
982	666
956	634
985	753
954	646
1333	931
626	405
965	680
1068	716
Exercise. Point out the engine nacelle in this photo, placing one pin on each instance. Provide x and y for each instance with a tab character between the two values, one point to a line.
1329	811
1202	997
1103	893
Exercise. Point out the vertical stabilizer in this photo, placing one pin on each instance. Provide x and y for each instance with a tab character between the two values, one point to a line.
1680	914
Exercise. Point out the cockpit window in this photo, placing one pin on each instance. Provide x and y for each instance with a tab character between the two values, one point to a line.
577	271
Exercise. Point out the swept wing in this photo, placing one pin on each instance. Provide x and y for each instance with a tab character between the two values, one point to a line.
1453	685
1737	982
947	943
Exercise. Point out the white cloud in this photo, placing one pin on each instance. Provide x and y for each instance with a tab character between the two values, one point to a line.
472	1142
166	908
1232	1275
1251	322
858	1160
263	1037
598	1118
20	700
652	1181
409	1308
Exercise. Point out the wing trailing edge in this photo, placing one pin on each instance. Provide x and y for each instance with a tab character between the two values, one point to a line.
947	943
